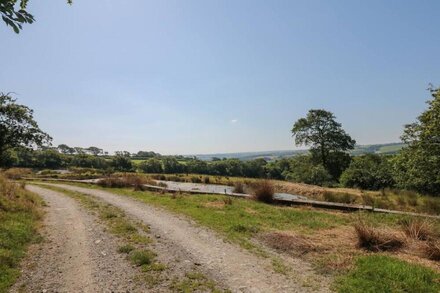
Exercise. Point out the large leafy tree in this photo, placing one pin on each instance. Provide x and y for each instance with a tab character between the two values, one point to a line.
327	139
18	127
14	13
417	166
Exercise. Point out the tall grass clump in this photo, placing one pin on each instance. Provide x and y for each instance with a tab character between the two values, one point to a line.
264	191
238	187
419	229
433	249
372	239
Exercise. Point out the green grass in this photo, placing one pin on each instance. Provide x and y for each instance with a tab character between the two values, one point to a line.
243	218
194	282
19	217
379	273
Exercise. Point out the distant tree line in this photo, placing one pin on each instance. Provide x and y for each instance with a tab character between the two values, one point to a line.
415	167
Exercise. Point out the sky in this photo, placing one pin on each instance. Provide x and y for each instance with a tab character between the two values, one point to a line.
193	77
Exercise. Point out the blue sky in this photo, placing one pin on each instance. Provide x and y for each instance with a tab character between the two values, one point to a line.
185	77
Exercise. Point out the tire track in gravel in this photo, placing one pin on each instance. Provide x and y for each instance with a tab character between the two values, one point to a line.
76	256
226	263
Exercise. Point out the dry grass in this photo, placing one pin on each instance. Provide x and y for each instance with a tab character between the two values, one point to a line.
418	229
373	239
125	180
17	173
263	191
432	249
238	187
291	244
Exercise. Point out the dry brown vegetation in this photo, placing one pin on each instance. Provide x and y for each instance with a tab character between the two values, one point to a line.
373	239
291	244
238	187
419	229
17	173
432	249
125	180
263	191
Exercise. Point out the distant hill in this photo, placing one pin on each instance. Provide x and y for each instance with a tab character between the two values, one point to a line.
389	148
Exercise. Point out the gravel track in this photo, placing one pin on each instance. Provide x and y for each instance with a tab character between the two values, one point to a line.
231	266
76	256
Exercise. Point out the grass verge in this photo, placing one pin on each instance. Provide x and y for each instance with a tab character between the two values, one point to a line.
20	214
379	273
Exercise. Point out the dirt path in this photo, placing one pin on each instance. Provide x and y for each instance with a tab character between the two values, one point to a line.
228	264
76	256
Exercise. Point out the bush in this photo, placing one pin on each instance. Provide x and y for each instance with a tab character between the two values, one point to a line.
206	180
374	240
368	172
264	191
302	169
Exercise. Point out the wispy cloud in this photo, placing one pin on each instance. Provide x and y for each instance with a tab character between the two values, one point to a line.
234	121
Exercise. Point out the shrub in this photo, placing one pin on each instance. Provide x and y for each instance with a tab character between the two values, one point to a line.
374	240
238	187
206	180
370	171
264	191
417	228
303	169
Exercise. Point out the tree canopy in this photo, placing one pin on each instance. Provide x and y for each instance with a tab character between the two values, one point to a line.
14	13
418	165
18	127
328	141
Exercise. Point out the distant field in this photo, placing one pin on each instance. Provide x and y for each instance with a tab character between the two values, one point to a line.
272	155
390	148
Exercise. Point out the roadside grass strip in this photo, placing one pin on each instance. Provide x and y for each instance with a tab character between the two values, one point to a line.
20	216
